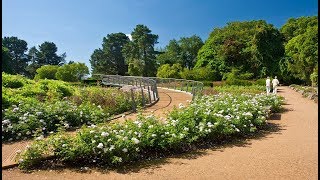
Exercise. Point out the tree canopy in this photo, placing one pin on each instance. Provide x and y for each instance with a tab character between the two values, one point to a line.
16	59
110	59
183	52
140	54
301	47
251	46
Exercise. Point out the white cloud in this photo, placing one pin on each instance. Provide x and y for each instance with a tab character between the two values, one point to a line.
129	36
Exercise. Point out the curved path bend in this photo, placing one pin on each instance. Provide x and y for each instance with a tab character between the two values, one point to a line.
288	151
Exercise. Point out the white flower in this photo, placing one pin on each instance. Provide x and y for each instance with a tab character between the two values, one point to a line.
41	120
15	109
28	146
181	105
66	125
153	135
237	130
137	149
64	145
99	106
19	134
109	140
93	126
151	126
93	141
20	160
111	148
125	150
186	129
7	121
166	133
135	140
248	114
209	124
38	113
40	137
182	135
125	138
100	145
104	134
92	131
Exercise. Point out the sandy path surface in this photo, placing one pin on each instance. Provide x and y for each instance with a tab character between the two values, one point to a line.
289	151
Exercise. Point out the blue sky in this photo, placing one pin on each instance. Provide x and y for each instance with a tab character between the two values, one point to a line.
78	26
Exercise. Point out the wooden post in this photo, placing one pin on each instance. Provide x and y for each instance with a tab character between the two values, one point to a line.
187	85
149	94
133	101
142	95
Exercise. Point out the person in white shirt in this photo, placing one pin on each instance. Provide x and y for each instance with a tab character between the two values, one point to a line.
275	84
268	85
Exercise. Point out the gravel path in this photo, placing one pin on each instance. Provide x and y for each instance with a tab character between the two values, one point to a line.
288	151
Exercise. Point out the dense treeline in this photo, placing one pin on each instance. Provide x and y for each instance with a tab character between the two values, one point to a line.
243	50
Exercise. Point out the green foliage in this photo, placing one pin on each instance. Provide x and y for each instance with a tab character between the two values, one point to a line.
6	61
199	74
47	72
235	89
15	58
183	52
110	59
13	81
301	47
140	54
314	78
251	46
235	78
207	119
72	72
47	54
169	71
37	108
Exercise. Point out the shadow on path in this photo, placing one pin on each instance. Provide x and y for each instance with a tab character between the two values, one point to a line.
156	160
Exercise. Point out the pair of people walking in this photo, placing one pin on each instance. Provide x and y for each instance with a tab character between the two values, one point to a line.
275	83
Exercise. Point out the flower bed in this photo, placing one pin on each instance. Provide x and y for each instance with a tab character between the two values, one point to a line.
208	118
306	91
35	109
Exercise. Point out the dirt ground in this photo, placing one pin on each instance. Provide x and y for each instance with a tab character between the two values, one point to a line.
288	150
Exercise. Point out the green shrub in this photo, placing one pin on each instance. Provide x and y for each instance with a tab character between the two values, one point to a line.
13	81
261	82
46	72
72	72
168	71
